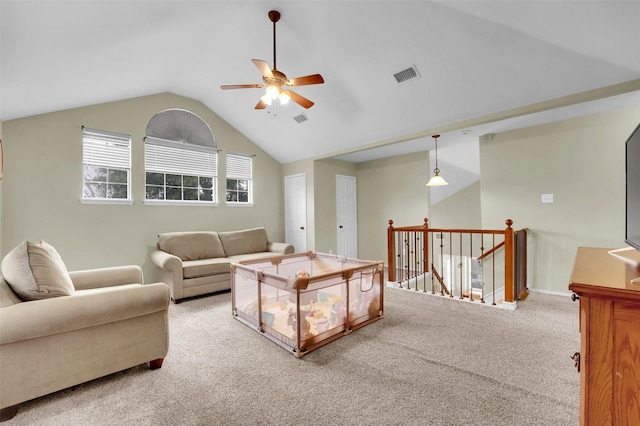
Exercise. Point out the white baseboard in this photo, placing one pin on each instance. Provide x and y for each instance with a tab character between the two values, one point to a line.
488	300
556	293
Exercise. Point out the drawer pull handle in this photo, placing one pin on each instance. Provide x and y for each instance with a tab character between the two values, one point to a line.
576	360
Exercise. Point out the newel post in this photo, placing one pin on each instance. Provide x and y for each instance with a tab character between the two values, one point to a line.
391	253
508	262
425	244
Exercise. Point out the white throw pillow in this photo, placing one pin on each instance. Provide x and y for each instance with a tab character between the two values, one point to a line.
36	271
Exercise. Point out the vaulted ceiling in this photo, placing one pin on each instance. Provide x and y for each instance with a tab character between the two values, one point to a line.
484	66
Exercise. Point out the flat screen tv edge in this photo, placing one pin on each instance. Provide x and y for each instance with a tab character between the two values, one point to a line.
632	197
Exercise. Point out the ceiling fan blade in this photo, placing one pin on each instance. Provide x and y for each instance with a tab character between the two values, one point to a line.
263	67
306	80
300	100
241	86
261	104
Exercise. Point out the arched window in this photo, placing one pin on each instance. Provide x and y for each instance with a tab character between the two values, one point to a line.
180	159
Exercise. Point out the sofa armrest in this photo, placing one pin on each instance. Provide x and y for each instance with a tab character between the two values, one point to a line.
170	271
283	248
167	261
107	277
86	308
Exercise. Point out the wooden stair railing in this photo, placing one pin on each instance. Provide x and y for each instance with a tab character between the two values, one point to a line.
411	251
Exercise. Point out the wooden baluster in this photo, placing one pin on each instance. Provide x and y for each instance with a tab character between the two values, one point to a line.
481	270
425	225
407	257
493	272
413	257
452	283
399	257
402	248
420	250
431	265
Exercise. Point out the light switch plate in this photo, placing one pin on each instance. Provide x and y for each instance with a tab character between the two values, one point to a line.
547	198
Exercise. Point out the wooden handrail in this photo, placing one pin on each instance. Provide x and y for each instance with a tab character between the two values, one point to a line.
488	253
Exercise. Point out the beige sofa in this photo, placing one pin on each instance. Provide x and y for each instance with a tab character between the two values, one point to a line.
111	322
198	262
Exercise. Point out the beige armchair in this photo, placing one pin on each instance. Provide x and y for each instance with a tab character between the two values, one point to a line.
110	323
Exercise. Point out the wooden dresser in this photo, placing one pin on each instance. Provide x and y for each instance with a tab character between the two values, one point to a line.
610	335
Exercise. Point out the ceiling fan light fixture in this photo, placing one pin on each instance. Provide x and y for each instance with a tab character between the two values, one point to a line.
266	99
284	98
272	92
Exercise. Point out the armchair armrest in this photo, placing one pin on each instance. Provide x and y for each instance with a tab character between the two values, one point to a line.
86	308
283	248
107	277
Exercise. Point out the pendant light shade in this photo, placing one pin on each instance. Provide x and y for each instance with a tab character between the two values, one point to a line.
436	180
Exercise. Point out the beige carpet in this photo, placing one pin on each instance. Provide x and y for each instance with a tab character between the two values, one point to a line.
430	361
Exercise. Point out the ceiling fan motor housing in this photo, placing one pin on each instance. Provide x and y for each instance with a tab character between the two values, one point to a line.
279	79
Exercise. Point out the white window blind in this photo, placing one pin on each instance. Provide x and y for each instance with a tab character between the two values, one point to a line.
179	158
106	149
239	166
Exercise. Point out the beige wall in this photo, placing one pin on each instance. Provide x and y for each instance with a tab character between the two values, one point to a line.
0	192
391	188
582	163
460	210
386	189
321	199
325	202
43	186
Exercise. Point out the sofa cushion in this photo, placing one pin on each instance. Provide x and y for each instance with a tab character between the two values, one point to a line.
245	241
191	245
36	271
204	267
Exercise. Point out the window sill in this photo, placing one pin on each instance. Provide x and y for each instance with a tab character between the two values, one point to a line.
116	201
230	204
180	203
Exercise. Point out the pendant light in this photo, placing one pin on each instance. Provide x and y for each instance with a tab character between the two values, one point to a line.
436	180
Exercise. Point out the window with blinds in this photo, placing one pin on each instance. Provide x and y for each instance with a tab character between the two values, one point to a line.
180	172
106	161
239	179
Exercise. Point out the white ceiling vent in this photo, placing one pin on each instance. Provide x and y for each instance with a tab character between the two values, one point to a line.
300	118
406	75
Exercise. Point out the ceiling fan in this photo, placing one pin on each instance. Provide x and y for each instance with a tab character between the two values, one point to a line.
276	82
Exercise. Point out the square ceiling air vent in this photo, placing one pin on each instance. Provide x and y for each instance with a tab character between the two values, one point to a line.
300	118
406	75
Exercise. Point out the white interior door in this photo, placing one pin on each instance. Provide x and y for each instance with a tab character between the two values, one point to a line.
347	215
295	211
